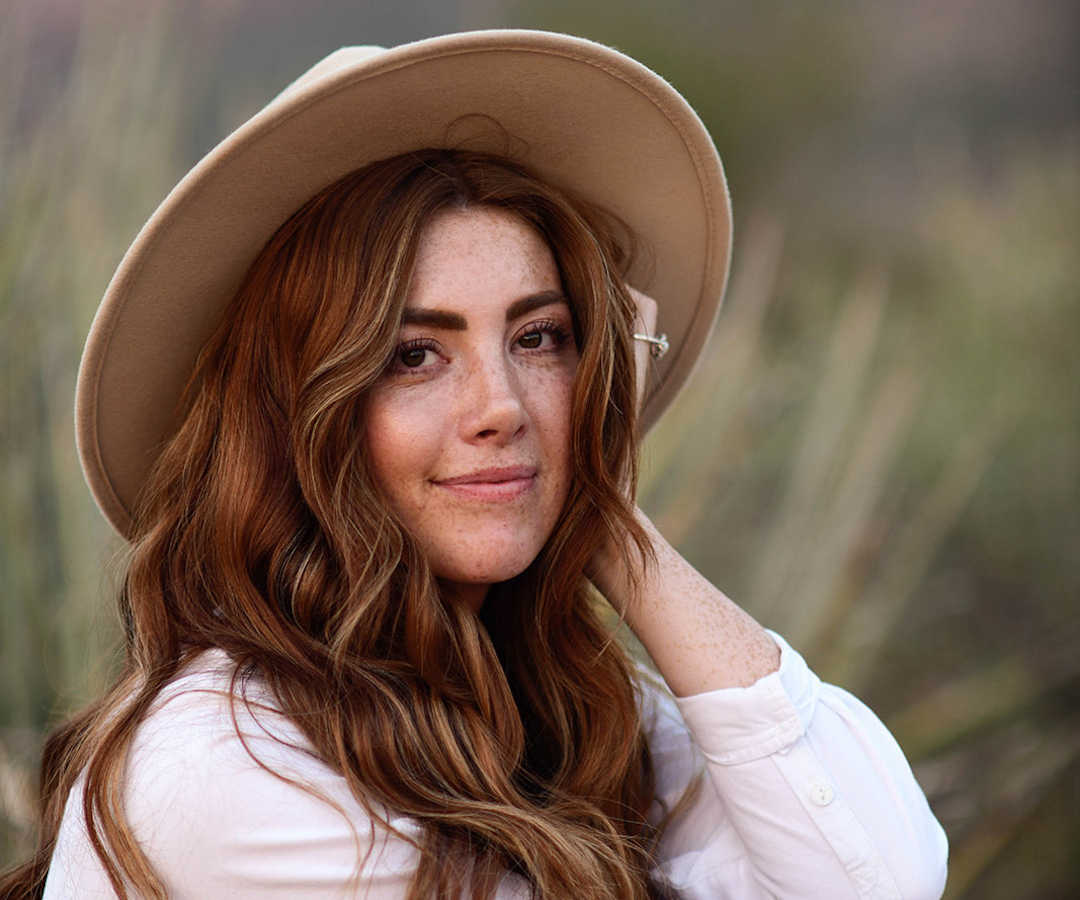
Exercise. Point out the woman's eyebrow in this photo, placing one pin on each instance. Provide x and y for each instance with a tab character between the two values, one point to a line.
451	321
534	301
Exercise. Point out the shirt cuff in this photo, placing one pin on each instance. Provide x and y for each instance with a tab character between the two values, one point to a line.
736	725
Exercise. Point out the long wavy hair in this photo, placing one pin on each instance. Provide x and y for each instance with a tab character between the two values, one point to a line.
512	737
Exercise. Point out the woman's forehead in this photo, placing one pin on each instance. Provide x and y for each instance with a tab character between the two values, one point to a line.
481	254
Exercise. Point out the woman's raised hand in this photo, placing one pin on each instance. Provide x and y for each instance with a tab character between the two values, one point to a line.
698	638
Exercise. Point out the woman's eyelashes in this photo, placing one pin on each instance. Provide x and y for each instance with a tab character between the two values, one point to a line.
544	335
420	355
411	355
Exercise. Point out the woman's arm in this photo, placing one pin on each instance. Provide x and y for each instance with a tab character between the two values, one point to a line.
807	793
698	638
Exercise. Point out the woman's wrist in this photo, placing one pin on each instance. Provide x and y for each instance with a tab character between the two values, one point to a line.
612	570
699	638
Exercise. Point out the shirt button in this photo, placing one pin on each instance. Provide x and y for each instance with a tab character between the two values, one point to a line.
821	793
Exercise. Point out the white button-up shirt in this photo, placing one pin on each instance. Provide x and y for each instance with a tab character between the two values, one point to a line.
804	793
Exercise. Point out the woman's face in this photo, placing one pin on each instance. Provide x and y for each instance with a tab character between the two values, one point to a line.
468	431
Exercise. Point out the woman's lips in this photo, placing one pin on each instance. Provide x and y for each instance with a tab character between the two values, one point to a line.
507	483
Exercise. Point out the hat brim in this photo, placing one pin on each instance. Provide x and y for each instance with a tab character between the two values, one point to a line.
581	115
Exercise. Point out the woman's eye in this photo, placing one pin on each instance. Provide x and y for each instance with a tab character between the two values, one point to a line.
534	338
414	355
419	355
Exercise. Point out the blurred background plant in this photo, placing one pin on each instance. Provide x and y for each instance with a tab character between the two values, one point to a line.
878	455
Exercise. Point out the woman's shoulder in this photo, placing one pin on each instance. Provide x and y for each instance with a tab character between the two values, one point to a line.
219	784
212	707
212	745
216	744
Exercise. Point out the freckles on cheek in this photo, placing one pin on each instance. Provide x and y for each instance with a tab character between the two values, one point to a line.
403	439
554	397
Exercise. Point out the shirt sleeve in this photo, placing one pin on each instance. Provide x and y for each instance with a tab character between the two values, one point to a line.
803	793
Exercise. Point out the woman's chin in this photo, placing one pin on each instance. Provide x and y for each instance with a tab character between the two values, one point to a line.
483	571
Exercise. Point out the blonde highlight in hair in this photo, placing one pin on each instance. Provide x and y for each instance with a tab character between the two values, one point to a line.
512	737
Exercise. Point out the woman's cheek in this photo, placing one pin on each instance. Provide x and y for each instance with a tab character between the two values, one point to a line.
556	389
405	428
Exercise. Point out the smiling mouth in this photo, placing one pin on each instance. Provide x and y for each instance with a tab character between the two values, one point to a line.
492	484
491	490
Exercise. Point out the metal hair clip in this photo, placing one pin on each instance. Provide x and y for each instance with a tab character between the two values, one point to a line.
660	344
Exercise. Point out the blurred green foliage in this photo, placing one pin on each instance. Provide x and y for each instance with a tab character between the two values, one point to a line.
878	455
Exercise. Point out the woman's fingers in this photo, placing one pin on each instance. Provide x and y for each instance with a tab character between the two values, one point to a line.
644	323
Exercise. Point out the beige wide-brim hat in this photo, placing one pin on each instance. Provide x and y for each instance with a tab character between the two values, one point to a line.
580	115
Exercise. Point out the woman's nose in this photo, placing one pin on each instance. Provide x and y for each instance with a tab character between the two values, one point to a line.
491	406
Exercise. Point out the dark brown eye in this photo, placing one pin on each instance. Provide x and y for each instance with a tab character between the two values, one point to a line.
413	356
531	340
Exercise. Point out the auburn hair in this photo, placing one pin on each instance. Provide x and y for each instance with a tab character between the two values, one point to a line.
262	532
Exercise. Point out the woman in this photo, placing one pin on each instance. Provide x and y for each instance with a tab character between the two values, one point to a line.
364	397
